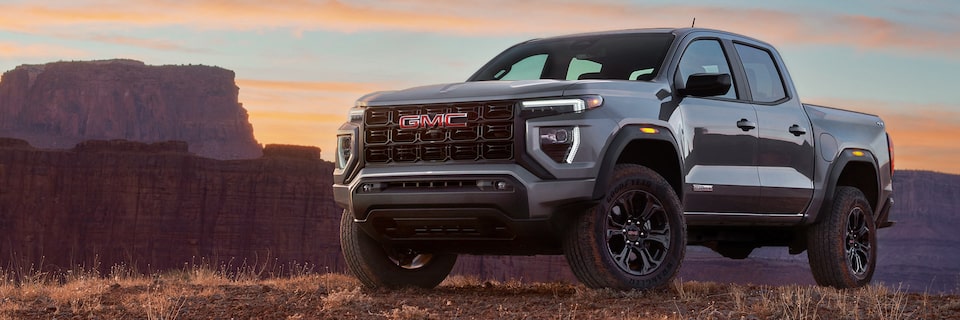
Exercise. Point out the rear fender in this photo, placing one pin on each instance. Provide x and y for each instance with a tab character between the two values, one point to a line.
844	161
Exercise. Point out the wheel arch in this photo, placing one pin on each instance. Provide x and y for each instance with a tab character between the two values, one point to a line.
631	145
852	170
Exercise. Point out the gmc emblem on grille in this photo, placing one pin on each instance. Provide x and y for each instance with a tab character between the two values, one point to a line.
441	120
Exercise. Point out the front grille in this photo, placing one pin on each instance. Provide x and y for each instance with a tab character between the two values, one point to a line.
488	134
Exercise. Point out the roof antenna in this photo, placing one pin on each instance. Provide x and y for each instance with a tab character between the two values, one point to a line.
694	22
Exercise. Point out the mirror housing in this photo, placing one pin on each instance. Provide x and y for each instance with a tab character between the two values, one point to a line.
706	85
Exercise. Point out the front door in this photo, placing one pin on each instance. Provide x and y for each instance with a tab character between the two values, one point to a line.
720	139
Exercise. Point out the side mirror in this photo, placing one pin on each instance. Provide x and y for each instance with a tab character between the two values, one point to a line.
706	85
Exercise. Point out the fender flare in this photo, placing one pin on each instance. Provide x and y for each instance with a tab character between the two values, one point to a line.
843	159
619	143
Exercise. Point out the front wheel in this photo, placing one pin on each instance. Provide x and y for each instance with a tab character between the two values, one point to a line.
376	266
842	248
634	239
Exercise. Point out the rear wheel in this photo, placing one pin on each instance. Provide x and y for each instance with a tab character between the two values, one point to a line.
376	266
842	248
634	239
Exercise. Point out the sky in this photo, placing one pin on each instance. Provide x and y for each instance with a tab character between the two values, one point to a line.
301	64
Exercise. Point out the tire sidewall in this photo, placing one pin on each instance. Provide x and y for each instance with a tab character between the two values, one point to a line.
858	201
628	178
370	263
827	242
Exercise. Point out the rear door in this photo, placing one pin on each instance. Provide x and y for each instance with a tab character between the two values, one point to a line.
786	154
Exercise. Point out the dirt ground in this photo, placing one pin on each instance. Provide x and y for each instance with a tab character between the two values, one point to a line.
336	296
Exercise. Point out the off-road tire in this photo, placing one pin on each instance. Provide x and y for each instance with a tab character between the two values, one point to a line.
646	256
371	263
842	248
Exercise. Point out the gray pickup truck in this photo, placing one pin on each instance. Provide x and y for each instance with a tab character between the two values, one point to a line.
617	149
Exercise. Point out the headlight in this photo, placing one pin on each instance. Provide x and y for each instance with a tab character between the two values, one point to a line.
541	108
560	143
344	150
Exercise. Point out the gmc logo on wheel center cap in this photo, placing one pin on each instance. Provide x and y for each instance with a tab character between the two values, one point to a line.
440	120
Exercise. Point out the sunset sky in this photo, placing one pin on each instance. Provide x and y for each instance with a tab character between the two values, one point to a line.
301	64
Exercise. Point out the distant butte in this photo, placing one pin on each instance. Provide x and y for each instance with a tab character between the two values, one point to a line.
59	104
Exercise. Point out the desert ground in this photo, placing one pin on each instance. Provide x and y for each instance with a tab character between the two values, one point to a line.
207	293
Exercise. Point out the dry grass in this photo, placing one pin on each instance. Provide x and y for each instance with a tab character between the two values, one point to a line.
205	291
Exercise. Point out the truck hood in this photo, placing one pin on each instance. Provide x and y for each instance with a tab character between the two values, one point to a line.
503	90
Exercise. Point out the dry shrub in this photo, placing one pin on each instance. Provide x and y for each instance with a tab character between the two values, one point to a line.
347	300
297	284
337	282
461	281
161	302
697	290
82	295
406	312
798	302
885	304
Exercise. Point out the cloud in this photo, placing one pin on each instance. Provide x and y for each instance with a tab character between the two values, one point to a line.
157	44
309	86
16	50
483	18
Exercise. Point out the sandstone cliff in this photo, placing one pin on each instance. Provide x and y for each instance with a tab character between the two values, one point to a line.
155	206
60	104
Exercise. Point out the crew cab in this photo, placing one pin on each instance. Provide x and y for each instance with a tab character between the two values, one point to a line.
616	149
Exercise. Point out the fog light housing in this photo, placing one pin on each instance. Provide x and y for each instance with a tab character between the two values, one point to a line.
344	150
560	143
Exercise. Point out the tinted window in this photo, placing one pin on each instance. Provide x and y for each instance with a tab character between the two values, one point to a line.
766	85
529	68
706	56
615	57
579	68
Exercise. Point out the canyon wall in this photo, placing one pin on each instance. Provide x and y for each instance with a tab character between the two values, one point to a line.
157	207
59	104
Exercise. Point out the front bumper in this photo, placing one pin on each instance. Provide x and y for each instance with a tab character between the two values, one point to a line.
496	208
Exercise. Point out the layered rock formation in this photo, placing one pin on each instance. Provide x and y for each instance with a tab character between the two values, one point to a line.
156	206
60	104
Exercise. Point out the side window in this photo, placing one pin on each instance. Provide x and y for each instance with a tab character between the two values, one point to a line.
529	68
706	56
766	85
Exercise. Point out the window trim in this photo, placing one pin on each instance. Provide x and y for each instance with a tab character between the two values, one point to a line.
733	63
776	65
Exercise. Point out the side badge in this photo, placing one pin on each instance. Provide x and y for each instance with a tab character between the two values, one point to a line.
702	188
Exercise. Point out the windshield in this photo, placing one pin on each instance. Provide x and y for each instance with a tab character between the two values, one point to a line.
613	57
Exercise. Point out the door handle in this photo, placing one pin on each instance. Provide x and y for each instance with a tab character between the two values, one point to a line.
797	130
746	125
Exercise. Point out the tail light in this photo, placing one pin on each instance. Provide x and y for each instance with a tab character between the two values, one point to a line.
890	148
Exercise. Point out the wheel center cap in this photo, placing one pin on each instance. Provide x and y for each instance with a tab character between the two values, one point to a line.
634	233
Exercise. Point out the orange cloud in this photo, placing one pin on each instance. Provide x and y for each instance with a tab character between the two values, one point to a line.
534	17
13	50
311	86
144	43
